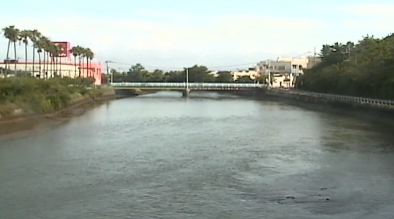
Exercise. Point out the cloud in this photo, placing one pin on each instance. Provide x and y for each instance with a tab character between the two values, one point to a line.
371	17
369	25
196	36
379	10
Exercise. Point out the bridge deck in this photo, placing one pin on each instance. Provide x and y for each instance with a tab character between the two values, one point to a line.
196	86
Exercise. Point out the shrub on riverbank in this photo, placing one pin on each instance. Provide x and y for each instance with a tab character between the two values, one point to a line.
33	95
365	69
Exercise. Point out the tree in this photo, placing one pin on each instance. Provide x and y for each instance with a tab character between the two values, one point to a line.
75	52
12	34
34	36
224	77
200	74
59	50
89	58
137	73
244	79
24	36
363	69
43	46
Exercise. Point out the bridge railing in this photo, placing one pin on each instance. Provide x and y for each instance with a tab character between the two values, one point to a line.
183	85
359	100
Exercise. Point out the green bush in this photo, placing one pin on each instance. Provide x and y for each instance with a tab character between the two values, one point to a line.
32	94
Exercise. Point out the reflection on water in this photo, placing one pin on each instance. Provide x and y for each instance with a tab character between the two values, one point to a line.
207	156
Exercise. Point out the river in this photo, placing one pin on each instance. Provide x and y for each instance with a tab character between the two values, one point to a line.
208	156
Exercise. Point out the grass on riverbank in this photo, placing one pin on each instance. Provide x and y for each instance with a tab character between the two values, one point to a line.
31	95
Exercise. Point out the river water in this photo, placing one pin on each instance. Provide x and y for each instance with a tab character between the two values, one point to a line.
208	156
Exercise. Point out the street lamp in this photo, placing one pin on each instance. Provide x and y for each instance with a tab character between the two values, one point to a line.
187	79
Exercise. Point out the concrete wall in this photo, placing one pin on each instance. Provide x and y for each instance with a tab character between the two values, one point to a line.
375	114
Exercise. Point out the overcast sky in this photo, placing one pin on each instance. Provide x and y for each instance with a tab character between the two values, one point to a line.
171	34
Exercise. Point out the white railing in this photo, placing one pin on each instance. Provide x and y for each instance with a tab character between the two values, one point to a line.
359	100
190	85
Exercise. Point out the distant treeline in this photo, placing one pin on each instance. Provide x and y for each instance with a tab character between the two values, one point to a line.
137	73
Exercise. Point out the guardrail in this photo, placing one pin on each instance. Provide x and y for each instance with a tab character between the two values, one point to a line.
190	85
359	100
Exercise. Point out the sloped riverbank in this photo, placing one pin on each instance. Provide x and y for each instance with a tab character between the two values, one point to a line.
20	122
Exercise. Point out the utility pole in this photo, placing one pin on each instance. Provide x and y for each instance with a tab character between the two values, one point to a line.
187	79
269	73
314	55
186	92
112	75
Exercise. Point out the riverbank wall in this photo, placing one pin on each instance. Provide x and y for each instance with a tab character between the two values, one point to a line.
379	111
108	93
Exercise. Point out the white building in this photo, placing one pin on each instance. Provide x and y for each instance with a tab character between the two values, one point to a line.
214	73
252	73
283	70
297	64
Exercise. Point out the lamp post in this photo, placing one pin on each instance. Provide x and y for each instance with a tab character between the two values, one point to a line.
112	73
186	92
269	73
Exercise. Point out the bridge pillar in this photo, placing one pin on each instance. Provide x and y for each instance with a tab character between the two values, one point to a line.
186	93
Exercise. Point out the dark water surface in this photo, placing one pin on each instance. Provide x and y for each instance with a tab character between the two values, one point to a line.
161	156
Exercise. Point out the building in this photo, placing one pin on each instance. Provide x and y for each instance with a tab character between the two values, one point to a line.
281	72
251	72
214	73
285	70
47	70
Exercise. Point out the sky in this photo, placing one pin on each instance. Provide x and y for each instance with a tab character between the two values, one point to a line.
220	34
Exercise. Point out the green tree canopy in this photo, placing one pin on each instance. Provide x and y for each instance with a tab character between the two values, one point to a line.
364	69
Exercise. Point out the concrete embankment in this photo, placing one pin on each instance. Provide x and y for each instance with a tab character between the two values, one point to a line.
373	112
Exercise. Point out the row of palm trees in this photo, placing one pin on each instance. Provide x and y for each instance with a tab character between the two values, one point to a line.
47	50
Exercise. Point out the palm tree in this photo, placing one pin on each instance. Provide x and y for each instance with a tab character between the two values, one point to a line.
8	31
12	34
14	39
88	54
43	46
40	47
59	49
80	54
24	36
48	50
34	37
74	51
91	57
53	53
44	42
56	50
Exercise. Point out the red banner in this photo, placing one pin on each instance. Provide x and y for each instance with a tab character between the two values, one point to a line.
65	49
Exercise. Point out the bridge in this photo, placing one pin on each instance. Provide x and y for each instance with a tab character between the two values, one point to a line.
187	87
